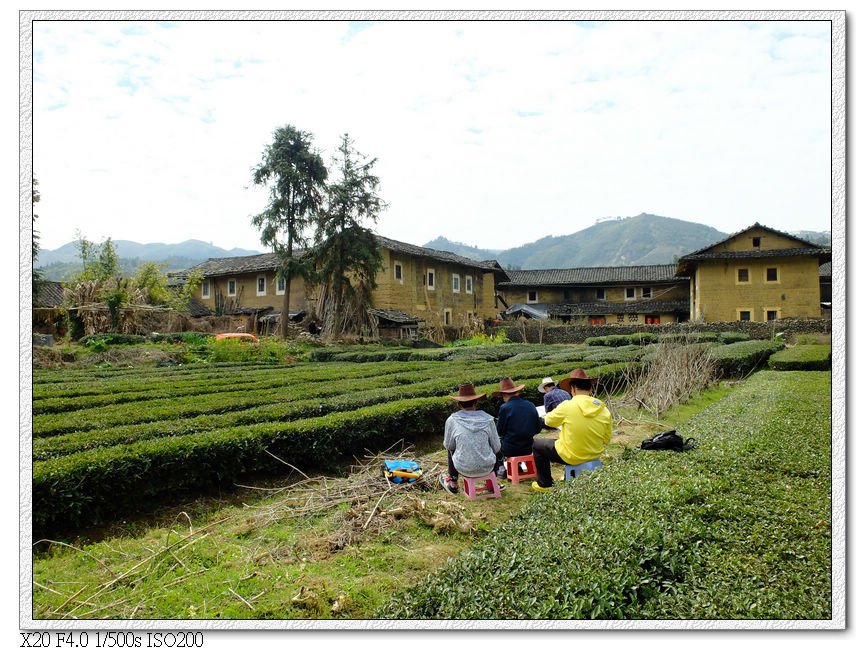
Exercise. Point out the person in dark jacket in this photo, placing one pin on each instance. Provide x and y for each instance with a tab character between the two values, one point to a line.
518	423
553	395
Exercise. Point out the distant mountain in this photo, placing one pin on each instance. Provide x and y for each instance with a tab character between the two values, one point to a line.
472	252
620	241
821	238
61	263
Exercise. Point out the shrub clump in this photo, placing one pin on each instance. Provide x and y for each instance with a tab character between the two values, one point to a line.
739	359
612	340
802	357
732	337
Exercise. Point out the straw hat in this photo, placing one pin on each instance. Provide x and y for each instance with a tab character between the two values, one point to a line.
467	394
546	381
578	375
507	387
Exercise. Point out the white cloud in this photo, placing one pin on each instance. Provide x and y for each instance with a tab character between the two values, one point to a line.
494	133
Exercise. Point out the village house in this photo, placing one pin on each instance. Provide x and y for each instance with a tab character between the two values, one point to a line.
629	295
757	274
414	285
436	286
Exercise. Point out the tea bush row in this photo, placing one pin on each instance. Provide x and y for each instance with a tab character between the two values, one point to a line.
739	359
123	392
107	426
802	357
100	478
100	484
738	528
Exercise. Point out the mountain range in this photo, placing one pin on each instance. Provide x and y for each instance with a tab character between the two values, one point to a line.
61	263
619	241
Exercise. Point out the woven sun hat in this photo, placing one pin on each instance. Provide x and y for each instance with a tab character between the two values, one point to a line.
546	381
467	394
578	375
507	387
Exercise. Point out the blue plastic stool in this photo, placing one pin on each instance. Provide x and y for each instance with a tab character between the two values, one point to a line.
571	471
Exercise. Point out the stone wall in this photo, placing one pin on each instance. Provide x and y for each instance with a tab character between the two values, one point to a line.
537	331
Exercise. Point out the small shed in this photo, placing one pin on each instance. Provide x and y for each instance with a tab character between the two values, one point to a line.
395	324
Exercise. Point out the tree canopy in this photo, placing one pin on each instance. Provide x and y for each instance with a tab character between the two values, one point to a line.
347	254
296	176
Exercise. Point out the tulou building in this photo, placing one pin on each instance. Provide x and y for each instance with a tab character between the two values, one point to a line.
758	274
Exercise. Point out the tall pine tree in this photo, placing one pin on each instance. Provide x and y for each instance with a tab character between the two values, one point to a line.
347	254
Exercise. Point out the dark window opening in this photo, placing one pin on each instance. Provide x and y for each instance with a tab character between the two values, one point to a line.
743	275
756	242
771	275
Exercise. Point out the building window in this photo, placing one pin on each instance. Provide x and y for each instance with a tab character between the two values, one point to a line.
455	283
397	272
620	318
653	320
772	274
205	289
632	318
600	294
647	292
630	293
744	315
756	242
261	286
743	276
597	320
448	317
532	296
470	284
430	279
771	314
280	286
232	287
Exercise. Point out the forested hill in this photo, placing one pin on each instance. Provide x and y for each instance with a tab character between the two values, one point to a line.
621	241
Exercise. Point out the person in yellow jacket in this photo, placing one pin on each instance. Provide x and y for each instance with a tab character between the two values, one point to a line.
586	426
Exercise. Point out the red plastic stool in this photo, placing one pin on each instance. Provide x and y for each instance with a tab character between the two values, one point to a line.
513	466
489	490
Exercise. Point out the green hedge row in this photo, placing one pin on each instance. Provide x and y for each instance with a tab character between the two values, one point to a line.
739	359
97	485
124	392
738	528
52	446
802	357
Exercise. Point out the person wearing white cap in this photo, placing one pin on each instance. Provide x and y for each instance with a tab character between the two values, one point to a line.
553	395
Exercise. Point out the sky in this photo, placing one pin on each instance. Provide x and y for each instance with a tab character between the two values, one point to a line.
490	133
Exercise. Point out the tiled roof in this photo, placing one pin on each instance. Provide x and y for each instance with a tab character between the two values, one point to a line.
227	265
638	307
441	256
776	252
394	316
197	308
219	266
826	270
50	294
592	275
755	225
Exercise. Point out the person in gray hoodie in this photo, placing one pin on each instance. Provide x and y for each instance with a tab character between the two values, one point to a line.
471	439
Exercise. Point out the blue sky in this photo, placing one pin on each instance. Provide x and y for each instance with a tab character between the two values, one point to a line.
491	133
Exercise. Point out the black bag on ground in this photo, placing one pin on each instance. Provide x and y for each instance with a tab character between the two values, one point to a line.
668	440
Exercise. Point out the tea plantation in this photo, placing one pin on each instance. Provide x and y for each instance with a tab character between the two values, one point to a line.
738	528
